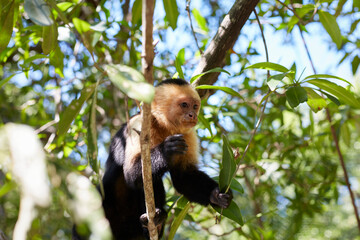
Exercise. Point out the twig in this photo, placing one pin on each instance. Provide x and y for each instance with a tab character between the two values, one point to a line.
262	112
191	25
251	138
57	101
264	41
338	150
147	68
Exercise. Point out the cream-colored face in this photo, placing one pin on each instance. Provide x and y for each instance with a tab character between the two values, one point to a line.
176	107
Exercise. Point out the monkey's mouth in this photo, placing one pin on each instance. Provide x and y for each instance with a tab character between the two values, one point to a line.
190	123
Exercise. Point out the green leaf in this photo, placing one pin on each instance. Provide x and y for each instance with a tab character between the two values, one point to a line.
39	12
50	35
315	101
206	123
92	149
57	60
7	23
344	95
345	134
136	12
200	20
332	98
224	89
131	82
5	80
172	12
329	23
178	220
73	109
81	26
232	212
28	61
355	64
269	66
274	80
228	166
7	187
63	6
210	71
322	76
180	59
235	185
296	95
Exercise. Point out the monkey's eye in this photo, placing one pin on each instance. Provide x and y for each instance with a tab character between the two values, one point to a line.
196	106
184	105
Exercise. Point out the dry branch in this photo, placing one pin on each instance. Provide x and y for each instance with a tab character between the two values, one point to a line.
147	68
223	41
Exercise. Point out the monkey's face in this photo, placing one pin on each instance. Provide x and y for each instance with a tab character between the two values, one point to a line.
187	111
176	108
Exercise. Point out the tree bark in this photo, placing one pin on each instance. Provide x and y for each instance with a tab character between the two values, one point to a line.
223	41
147	68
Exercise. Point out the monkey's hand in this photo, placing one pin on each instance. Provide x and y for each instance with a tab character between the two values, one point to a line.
174	145
219	199
159	219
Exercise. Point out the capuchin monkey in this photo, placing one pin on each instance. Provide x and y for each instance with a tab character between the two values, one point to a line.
174	149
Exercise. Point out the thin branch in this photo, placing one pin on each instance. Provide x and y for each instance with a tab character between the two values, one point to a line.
147	68
264	41
191	25
251	138
337	146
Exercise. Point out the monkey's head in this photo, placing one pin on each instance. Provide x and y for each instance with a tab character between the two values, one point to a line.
176	105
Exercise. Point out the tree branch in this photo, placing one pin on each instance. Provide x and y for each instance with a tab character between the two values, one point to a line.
223	41
147	68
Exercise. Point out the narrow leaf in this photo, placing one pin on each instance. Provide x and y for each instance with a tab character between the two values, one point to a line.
332	98
345	134
73	109
355	64
224	89
131	82
6	28
344	95
228	165
206	123
269	66
50	35
172	12
81	26
92	150
322	76
5	80
200	20
315	101
38	11
29	60
210	71
329	23
180	59
296	95
232	212
57	60
136	12
178	220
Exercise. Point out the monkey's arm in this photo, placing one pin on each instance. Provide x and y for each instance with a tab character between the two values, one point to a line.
172	145
198	187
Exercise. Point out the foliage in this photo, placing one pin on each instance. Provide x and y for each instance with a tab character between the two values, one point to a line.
69	69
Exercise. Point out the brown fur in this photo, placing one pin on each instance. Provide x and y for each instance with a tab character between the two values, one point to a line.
167	120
